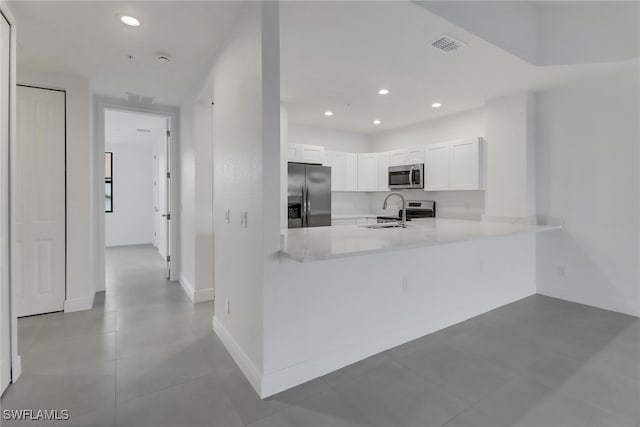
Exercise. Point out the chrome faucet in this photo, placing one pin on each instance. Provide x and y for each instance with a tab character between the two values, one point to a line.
404	207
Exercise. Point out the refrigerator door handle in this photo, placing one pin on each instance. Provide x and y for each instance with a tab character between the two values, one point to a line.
303	214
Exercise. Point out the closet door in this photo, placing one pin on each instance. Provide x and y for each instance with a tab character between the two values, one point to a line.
40	211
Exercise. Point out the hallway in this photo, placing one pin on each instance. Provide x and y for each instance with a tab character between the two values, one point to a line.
146	356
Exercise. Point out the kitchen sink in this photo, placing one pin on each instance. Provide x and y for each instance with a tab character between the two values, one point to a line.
383	225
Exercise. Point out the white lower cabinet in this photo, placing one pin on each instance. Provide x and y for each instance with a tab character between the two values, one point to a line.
367	172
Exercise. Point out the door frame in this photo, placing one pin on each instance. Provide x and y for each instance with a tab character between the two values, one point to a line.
16	361
101	104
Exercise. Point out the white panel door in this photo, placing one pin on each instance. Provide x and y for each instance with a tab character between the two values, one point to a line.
39	223
436	165
338	171
351	165
465	164
383	171
5	306
367	172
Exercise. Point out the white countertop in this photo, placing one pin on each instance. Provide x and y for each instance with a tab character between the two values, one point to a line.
320	243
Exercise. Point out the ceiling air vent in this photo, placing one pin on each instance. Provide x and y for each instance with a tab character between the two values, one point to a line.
447	43
144	130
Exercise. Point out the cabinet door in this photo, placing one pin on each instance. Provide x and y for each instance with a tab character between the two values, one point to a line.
465	173
326	158
338	171
292	153
383	171
310	153
415	155
367	172
398	158
436	165
351	163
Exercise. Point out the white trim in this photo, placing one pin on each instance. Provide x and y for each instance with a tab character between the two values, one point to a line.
250	371
79	304
529	220
187	286
201	295
16	368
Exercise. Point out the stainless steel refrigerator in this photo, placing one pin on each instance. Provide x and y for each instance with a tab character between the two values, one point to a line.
309	195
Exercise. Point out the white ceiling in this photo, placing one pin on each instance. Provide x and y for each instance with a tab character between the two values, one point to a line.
336	55
121	127
87	38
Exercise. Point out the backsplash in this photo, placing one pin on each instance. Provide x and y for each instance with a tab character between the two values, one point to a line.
449	204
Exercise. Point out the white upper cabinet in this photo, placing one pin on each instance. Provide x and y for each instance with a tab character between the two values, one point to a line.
367	172
338	171
304	153
466	164
415	155
436	166
292	153
454	165
383	171
351	163
398	158
326	158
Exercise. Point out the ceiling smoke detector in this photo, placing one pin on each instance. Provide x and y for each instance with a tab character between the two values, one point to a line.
447	43
163	59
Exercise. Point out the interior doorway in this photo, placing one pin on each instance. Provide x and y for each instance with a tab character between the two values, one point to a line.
138	181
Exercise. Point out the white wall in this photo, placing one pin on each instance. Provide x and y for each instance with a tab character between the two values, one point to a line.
187	196
588	177
132	220
330	139
80	169
510	144
461	125
246	152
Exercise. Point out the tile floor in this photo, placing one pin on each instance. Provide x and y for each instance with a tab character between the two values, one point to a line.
145	356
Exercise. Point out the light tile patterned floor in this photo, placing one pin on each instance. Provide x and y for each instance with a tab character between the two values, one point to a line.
145	356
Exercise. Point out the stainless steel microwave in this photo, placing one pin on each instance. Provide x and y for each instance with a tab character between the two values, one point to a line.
407	176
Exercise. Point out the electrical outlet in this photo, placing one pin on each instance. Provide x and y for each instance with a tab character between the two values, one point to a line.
227	216
227	305
405	284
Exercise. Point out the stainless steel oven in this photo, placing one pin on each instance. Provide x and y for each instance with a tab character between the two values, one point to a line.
407	176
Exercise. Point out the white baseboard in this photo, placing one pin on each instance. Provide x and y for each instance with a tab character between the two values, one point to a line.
16	368
250	371
79	304
187	286
200	295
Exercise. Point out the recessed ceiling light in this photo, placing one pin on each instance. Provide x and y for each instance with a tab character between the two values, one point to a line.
436	105
376	122
383	92
328	113
130	21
